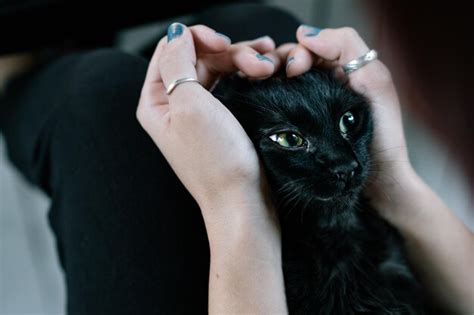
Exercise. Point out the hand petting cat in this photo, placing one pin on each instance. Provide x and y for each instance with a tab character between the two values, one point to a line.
216	161
332	48
203	142
439	245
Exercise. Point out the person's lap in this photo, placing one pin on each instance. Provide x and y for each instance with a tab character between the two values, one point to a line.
130	237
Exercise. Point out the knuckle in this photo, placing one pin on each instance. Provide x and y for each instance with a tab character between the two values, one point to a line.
200	27
143	119
349	32
379	78
140	116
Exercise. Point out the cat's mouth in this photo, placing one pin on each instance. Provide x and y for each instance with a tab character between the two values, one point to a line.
308	192
338	195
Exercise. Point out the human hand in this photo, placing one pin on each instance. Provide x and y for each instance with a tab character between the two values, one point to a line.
202	141
438	244
332	48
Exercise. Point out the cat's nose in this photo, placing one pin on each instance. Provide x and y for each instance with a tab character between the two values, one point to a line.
344	172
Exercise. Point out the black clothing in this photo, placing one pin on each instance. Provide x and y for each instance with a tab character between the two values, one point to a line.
130	238
34	24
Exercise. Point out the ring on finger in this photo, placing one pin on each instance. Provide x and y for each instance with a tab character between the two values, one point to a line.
358	63
177	82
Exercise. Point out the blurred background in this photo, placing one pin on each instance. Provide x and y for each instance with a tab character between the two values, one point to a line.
31	281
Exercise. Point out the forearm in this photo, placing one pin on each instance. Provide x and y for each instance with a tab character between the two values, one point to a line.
243	281
439	245
246	275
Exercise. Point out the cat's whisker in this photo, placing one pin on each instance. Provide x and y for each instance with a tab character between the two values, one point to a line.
305	207
292	201
290	183
290	195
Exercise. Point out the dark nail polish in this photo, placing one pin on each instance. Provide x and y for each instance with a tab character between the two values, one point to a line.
289	61
311	31
175	30
225	36
263	58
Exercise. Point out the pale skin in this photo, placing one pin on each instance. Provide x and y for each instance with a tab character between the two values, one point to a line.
220	168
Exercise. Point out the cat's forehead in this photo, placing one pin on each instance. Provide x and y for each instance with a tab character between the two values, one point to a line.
309	99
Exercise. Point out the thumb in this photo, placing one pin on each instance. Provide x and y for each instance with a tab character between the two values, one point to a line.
178	60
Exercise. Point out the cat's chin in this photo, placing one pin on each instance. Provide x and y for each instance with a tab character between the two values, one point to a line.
338	196
340	201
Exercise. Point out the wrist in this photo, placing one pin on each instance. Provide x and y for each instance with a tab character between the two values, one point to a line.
398	193
242	221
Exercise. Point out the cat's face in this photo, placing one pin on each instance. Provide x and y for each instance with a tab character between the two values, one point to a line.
311	133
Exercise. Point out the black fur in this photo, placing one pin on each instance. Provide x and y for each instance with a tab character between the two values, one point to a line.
339	257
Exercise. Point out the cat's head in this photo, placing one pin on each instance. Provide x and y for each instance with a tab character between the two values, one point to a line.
312	134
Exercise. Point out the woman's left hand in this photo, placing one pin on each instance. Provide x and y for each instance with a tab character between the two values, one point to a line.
203	142
215	160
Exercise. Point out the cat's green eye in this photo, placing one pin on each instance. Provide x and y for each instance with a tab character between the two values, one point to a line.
346	123
288	139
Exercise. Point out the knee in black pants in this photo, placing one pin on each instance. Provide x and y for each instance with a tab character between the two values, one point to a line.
132	238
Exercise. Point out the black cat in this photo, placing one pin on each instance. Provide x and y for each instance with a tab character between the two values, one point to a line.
312	134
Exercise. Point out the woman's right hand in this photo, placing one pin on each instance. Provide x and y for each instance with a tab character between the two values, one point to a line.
439	245
332	48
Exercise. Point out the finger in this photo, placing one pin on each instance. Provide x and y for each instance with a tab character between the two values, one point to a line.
280	55
262	44
178	60
211	67
207	40
153	72
299	61
252	63
238	58
341	45
338	47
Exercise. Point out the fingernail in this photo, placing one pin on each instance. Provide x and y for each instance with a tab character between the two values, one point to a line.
263	58
289	61
225	36
175	30
311	31
264	37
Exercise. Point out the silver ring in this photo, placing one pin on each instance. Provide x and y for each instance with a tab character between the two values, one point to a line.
358	63
177	82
